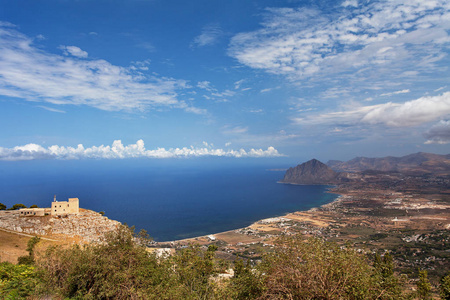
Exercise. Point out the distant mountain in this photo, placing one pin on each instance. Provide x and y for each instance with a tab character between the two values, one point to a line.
310	172
420	162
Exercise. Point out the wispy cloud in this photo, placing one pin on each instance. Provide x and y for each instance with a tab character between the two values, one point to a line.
33	74
382	38
52	109
205	85
118	151
234	130
209	36
439	133
396	93
266	90
214	94
350	3
410	113
237	84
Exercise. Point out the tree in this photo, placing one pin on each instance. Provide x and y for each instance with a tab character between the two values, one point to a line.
423	286
444	287
29	259
34	206
386	280
2	206
17	206
247	283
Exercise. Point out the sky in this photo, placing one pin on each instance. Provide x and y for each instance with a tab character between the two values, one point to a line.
114	79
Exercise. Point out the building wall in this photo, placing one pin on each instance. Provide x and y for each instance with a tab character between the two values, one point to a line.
65	207
32	212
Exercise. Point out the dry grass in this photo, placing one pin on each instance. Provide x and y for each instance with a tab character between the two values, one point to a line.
13	245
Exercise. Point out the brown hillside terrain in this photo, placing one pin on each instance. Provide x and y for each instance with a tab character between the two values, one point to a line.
420	162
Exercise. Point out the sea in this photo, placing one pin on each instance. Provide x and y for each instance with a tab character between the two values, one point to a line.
171	199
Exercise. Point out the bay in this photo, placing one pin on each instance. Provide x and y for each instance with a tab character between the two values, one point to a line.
171	199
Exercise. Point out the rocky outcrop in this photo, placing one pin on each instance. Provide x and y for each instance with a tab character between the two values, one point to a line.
86	225
311	172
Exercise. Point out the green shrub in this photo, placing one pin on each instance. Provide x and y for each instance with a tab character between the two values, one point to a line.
444	287
17	281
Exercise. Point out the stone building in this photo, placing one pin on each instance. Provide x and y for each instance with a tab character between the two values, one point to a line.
59	208
33	212
65	207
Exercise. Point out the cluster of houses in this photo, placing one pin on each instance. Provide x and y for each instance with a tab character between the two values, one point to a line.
59	208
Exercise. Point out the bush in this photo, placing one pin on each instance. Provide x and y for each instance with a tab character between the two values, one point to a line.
16	281
2	206
117	268
314	269
444	287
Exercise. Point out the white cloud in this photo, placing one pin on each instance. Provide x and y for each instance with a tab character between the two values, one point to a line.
33	74
234	130
396	93
382	37
214	93
237	84
118	151
52	109
74	51
350	3
205	85
226	93
410	113
209	36
439	133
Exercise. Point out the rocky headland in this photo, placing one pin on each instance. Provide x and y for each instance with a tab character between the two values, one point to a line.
310	172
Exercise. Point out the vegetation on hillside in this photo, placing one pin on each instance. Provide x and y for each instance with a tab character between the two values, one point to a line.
121	267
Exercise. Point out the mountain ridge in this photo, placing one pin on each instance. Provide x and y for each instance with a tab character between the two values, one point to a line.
335	172
420	162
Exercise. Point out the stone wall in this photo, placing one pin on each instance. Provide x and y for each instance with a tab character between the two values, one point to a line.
86	225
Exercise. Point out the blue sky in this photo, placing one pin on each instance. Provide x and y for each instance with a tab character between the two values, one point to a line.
153	78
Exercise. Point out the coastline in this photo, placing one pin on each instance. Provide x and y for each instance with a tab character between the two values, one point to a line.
290	216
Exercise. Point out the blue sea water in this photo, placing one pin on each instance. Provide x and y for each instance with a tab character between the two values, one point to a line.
171	199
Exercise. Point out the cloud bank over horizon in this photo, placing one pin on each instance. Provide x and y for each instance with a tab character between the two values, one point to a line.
118	151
